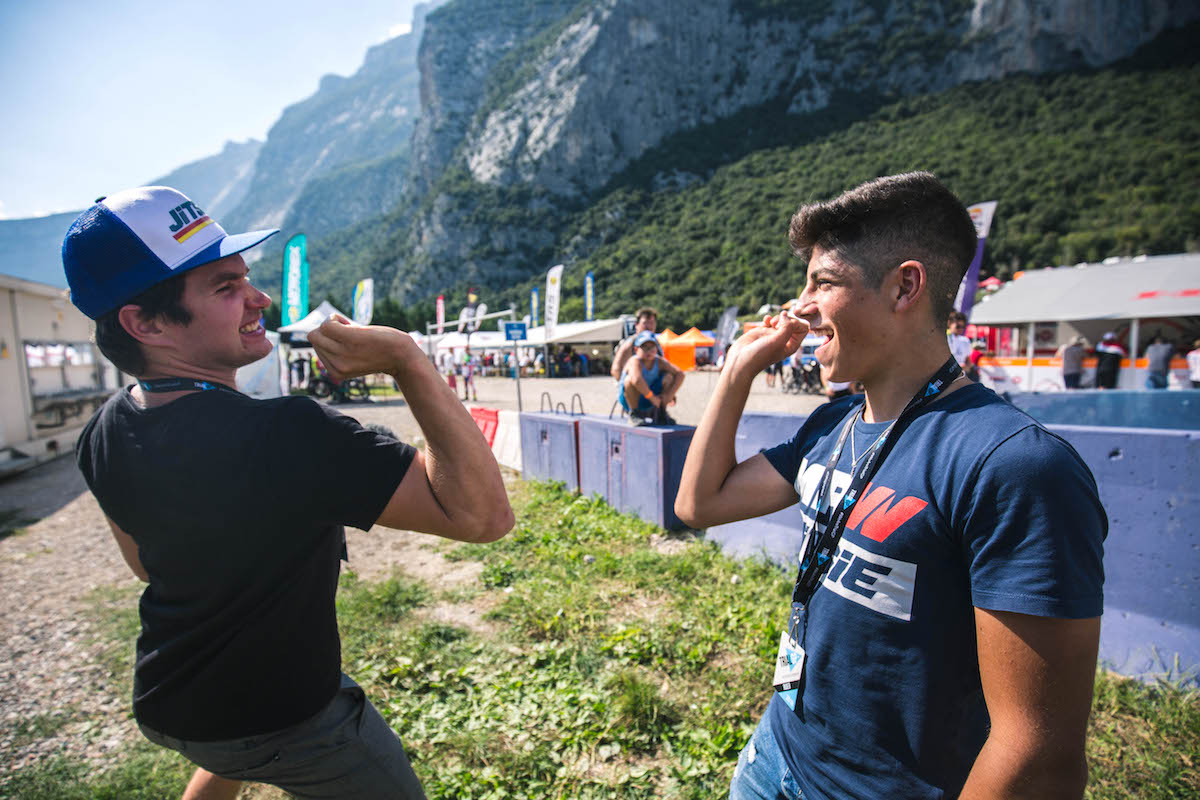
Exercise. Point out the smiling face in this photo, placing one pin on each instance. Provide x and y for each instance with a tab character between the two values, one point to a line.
853	317
226	331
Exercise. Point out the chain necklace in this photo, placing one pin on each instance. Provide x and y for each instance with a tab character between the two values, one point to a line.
854	457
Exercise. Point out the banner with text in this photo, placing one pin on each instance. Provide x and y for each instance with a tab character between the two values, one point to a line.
363	301
533	307
553	290
589	296
981	215
295	280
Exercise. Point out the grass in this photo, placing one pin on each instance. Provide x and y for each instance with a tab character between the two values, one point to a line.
616	671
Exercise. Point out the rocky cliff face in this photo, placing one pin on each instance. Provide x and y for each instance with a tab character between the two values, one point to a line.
542	103
366	117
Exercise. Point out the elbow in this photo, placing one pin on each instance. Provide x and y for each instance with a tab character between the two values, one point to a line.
495	526
685	509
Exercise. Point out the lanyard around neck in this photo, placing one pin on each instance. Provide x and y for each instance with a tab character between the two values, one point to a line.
182	384
822	540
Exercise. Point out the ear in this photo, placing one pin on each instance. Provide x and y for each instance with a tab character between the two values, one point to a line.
910	284
144	328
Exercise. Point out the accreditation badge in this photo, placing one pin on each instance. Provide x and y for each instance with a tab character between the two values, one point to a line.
789	669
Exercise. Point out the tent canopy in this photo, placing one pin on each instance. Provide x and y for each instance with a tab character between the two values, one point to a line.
693	336
313	320
1141	288
598	330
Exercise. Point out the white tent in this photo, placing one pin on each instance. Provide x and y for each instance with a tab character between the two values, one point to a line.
598	330
1141	288
267	377
299	328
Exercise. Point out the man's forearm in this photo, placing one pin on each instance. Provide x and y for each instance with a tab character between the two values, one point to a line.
1012	772
462	471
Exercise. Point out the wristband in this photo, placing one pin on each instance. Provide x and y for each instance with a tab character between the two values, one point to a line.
648	395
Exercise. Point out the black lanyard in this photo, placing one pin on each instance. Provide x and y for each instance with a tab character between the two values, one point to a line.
182	384
822	540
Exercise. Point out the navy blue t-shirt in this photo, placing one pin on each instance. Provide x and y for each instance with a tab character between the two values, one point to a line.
976	505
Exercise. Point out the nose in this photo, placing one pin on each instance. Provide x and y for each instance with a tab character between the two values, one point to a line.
258	298
806	308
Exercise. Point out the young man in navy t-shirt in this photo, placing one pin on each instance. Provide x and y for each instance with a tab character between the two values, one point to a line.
945	621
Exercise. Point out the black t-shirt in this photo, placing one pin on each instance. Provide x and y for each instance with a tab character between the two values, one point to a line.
237	507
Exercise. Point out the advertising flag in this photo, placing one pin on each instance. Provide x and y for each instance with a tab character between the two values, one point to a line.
295	280
589	296
981	215
553	290
441	313
533	307
726	326
363	301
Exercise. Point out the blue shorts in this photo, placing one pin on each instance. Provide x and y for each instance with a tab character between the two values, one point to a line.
346	750
644	405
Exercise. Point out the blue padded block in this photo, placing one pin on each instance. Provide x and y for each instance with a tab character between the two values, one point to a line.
1113	408
550	447
636	469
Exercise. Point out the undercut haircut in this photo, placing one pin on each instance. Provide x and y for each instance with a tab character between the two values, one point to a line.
882	223
162	300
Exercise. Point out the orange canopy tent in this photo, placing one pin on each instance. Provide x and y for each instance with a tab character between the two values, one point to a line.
680	349
696	338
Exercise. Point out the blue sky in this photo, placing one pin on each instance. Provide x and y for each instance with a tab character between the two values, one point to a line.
100	96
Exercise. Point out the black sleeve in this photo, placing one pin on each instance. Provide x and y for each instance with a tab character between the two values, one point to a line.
337	471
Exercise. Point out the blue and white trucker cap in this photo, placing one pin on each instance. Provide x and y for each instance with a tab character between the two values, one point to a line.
131	240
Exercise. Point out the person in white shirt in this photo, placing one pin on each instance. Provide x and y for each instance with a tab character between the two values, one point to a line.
1193	362
960	345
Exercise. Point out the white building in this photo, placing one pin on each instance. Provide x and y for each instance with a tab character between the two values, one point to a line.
51	376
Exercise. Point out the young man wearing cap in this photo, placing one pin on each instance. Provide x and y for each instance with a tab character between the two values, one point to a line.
944	624
646	320
232	509
650	383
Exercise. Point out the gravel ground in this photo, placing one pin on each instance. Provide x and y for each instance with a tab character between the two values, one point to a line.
55	698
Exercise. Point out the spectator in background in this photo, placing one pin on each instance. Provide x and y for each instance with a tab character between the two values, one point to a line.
978	351
470	364
647	320
1071	354
1159	355
1109	354
1193	362
650	383
960	345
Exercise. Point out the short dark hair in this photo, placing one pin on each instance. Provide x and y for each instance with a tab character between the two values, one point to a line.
880	224
163	300
645	311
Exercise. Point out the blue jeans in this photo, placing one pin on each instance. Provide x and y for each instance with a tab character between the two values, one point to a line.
1154	381
346	750
761	773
